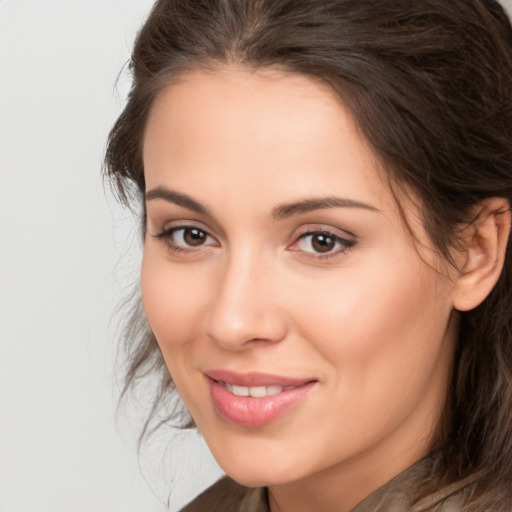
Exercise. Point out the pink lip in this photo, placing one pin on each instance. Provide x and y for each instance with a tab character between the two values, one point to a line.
255	412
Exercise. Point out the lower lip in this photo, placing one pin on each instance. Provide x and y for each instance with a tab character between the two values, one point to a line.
249	411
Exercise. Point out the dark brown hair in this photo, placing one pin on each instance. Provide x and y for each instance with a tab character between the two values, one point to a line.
429	83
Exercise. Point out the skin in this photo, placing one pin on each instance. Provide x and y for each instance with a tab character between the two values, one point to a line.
373	323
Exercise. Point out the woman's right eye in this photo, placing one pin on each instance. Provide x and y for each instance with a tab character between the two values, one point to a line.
186	238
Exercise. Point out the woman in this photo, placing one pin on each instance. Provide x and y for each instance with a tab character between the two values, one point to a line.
326	190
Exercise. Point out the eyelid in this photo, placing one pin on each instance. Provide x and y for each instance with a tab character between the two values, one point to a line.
310	228
160	215
184	223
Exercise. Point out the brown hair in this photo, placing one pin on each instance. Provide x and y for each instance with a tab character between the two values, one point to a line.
429	83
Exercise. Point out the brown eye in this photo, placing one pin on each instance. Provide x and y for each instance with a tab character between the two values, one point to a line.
186	238
194	237
323	242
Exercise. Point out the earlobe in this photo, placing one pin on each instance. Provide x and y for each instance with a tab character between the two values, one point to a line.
483	255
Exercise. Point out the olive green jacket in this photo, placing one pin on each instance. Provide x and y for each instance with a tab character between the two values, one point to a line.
395	496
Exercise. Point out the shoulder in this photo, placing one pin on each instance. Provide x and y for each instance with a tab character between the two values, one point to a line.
400	493
226	495
451	498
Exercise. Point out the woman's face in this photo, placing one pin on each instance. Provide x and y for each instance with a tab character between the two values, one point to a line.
276	265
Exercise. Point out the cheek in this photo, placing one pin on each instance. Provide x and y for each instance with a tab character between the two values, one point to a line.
384	319
171	300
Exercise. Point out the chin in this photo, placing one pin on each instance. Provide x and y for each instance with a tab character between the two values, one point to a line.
259	469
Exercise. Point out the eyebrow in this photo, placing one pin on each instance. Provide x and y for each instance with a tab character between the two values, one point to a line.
284	211
280	212
177	198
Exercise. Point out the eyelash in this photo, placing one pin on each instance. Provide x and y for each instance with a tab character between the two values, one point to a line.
344	245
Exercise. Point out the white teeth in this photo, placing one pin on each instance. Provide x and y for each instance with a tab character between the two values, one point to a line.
254	391
258	391
274	390
240	391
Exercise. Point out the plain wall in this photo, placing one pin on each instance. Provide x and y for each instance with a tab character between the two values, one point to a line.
68	254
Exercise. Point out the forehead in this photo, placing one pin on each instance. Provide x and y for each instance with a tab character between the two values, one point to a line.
266	125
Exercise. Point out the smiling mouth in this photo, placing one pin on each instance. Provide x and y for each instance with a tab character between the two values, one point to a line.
254	391
255	399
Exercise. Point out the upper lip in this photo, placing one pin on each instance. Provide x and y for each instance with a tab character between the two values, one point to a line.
253	379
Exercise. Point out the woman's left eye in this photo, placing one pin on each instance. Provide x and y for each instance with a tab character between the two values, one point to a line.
321	243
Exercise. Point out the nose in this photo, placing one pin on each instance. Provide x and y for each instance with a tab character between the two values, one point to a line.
244	308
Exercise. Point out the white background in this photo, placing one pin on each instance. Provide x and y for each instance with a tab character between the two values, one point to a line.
67	255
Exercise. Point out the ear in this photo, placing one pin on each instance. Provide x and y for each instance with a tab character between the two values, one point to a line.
483	254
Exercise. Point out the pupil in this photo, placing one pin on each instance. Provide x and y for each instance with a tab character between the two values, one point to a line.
323	243
194	237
